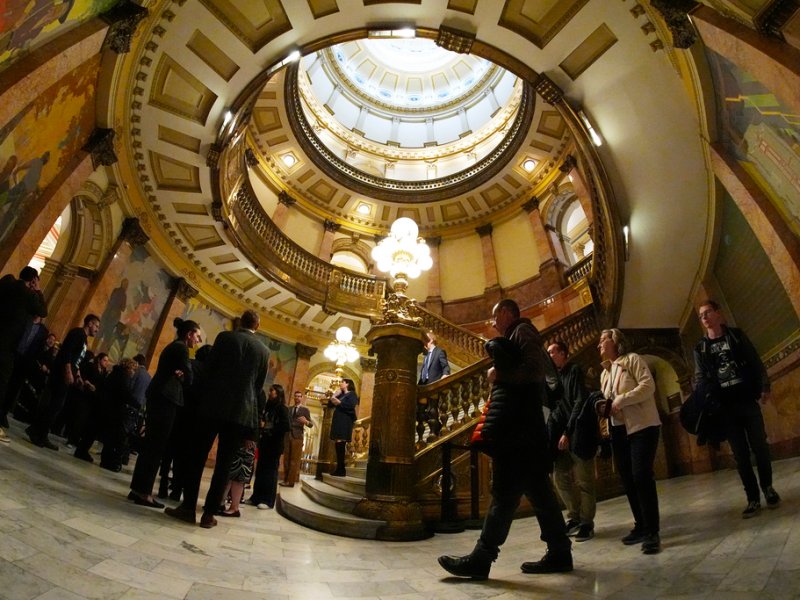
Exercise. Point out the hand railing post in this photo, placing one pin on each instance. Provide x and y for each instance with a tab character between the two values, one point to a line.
449	522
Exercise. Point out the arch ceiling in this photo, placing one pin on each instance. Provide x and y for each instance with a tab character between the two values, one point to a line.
194	59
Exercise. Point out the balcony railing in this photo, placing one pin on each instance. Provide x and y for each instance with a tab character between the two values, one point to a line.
462	345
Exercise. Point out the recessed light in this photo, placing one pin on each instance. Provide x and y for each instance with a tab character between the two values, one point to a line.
529	165
363	209
289	160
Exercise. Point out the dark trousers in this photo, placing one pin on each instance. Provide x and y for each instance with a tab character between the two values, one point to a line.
231	438
120	425
158	426
265	486
744	425
513	476
49	408
634	456
8	399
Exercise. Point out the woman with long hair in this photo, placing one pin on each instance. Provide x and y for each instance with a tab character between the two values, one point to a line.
630	402
274	427
344	402
164	397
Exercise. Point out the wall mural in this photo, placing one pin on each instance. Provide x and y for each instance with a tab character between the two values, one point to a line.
762	133
282	356
39	142
27	24
132	309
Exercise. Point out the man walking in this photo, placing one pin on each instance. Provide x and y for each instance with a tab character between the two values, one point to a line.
573	471
435	364
234	375
299	418
520	460
727	363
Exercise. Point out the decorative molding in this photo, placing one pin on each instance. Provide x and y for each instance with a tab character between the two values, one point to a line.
101	146
304	351
123	20
455	40
285	198
212	157
434	242
250	158
133	233
332	226
368	365
484	229
531	205
676	16
771	20
548	90
184	291
568	164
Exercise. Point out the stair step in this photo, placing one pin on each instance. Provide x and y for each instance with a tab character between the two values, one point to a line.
359	472
354	485
329	496
298	507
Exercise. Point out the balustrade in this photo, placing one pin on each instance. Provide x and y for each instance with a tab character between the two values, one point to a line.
579	270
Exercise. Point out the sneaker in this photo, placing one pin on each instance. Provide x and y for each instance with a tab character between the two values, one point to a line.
585	532
753	508
634	537
4	436
572	527
550	563
651	544
475	565
772	497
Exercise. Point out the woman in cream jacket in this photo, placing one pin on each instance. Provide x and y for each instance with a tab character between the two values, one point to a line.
629	390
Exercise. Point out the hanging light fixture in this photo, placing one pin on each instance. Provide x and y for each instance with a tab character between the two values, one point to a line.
342	350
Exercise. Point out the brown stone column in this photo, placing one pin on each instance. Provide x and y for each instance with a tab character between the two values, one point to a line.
281	214
300	377
368	367
492	291
551	253
434	300
326	244
570	168
164	332
66	287
390	468
112	269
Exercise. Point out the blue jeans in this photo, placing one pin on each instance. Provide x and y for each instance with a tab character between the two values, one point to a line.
634	456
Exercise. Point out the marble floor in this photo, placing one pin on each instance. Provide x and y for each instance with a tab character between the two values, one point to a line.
67	532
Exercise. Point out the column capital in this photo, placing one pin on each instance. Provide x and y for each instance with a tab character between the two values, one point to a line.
434	242
304	351
368	365
484	230
250	158
676	16
123	18
568	164
212	156
101	146
183	290
133	233
455	40
531	205
548	90
285	198
332	226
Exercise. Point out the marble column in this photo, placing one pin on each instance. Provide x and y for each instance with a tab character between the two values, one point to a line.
164	332
300	376
368	367
326	244
492	291
570	168
551	253
434	301
64	291
281	214
112	269
390	468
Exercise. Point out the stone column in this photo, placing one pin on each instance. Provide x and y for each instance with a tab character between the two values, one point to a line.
281	214
492	292
390	468
112	269
66	287
368	367
300	377
164	332
434	300
570	168
551	253
326	244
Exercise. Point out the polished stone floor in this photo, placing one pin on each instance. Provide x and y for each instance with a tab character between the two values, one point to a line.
67	532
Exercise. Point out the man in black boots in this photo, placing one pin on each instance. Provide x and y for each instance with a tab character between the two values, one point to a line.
514	435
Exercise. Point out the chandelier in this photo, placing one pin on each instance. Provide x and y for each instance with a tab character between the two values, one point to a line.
404	256
342	350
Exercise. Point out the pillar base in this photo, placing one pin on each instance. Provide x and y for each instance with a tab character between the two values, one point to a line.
404	519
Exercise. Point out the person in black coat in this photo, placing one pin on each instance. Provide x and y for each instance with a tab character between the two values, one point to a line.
121	409
435	364
164	396
274	427
344	415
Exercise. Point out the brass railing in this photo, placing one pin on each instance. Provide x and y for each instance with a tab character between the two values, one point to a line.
462	345
305	274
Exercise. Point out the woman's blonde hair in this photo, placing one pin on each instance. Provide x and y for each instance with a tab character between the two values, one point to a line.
619	339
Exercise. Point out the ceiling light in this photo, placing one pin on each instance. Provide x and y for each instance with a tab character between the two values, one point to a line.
363	209
289	160
596	139
227	118
292	57
529	165
402	32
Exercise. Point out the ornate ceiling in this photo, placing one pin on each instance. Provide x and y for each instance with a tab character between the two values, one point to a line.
469	122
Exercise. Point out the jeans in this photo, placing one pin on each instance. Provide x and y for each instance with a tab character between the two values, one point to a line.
513	476
574	479
634	456
744	425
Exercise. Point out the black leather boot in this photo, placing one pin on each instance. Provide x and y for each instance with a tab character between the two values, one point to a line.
475	565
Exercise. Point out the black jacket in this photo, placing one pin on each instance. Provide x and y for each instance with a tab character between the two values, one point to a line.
756	380
165	385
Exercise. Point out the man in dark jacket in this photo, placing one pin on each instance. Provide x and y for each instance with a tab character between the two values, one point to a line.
234	375
434	365
520	459
726	361
572	474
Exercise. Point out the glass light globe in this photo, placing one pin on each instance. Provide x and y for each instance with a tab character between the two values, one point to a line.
404	228
344	335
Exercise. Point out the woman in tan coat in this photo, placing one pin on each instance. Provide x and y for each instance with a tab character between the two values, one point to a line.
630	402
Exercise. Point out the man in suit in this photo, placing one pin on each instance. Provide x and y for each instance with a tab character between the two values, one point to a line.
434	365
300	418
234	375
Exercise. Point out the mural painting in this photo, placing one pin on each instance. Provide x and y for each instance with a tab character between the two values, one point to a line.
211	321
761	133
40	141
27	24
132	309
